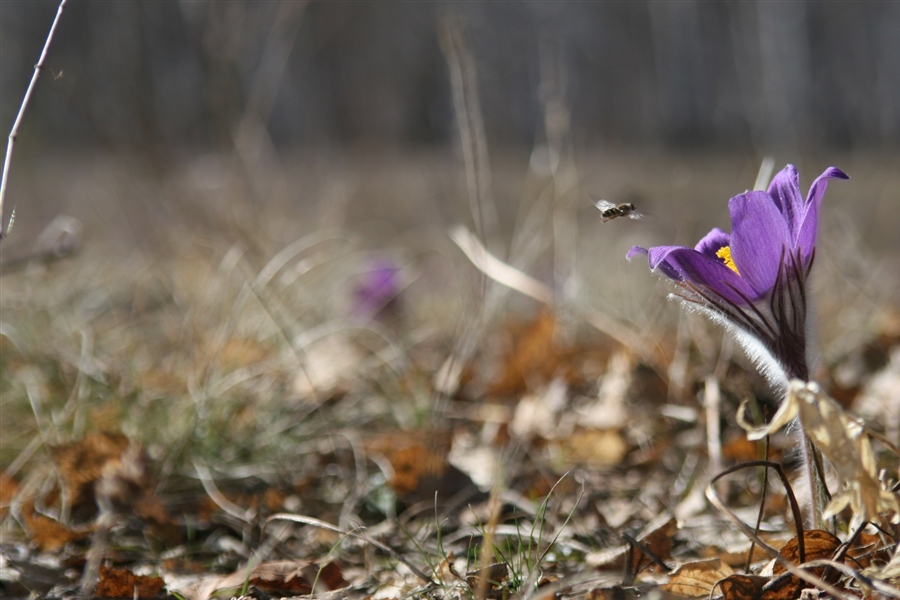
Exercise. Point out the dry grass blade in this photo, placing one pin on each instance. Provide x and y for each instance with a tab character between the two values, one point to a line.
514	279
498	270
751	535
471	126
209	486
383	547
879	586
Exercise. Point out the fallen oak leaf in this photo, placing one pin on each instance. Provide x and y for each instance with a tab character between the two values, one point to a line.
656	538
49	534
280	577
81	463
8	489
698	578
123	583
742	587
297	577
818	545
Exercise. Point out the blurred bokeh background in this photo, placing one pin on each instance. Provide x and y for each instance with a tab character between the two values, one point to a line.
152	76
345	110
159	75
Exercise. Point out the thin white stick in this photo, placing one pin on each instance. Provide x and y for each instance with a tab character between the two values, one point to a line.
15	128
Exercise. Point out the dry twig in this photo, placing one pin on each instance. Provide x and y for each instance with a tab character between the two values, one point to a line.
15	128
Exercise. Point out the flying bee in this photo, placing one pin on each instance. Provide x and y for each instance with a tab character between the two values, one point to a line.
610	211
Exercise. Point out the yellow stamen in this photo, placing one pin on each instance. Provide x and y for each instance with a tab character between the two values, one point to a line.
725	254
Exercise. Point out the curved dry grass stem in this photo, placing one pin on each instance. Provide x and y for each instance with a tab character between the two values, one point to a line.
350	533
790	567
15	128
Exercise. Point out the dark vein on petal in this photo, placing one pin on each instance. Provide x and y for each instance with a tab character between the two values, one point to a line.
752	305
737	314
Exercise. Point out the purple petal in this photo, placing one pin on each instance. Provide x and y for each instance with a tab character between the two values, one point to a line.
635	250
712	242
380	285
657	259
806	235
785	191
759	234
686	264
657	251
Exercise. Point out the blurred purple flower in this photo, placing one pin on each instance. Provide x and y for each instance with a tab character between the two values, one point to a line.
754	279
378	289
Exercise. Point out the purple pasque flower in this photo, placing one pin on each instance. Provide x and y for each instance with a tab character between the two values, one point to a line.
378	289
754	279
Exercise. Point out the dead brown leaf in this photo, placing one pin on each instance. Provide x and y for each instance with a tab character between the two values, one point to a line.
696	579
868	548
279	577
742	587
420	463
658	541
741	449
534	354
122	583
818	544
656	538
593	448
81	463
49	534
8	489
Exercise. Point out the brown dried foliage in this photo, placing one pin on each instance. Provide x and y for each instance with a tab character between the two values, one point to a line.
123	583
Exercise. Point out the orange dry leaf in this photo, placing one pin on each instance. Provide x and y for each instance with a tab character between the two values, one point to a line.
658	541
122	583
741	449
420	464
48	534
593	448
280	577
534	354
240	352
656	538
297	577
8	488
81	463
698	578
742	587
818	544
867	548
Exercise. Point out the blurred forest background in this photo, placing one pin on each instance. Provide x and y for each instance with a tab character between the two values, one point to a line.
264	120
152	76
257	122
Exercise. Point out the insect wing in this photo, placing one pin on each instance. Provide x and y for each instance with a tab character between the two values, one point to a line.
604	205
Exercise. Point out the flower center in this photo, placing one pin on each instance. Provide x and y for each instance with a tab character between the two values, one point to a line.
725	254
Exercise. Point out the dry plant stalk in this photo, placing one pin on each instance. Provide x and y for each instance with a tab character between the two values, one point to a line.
842	440
514	279
471	126
15	128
